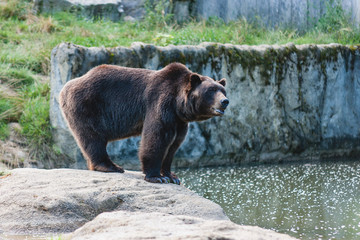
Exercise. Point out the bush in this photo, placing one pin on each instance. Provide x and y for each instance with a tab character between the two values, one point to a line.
158	13
334	19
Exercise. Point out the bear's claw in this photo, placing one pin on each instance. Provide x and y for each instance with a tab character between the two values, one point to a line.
165	177
157	179
176	181
173	178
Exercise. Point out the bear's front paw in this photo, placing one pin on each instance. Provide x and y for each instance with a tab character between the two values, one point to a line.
107	168
157	179
173	178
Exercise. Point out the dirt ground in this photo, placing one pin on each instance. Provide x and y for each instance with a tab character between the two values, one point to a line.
14	152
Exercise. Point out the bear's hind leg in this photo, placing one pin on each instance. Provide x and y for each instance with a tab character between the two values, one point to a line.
97	158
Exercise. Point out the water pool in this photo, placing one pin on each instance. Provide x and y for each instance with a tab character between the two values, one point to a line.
308	201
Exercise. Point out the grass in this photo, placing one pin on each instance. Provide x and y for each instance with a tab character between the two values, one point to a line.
4	130
34	118
26	41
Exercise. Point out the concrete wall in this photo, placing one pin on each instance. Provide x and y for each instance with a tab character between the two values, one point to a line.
299	14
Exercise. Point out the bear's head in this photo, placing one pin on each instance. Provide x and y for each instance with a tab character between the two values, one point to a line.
206	97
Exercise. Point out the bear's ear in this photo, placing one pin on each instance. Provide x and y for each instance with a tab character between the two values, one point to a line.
222	82
195	80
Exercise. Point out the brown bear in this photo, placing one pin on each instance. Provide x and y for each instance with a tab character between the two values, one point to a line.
111	102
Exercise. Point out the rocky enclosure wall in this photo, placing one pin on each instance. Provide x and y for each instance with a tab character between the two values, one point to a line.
270	13
286	102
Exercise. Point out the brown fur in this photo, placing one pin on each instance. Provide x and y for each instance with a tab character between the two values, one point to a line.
111	102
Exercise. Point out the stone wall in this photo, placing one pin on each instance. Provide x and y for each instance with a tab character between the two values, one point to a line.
286	102
271	13
107	9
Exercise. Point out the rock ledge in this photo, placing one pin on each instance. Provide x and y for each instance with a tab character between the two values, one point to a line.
34	201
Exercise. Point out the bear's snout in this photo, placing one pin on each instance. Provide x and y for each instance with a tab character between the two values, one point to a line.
224	103
220	106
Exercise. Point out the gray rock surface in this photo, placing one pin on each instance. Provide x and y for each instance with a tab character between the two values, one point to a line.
134	9
270	13
92	9
112	10
128	225
38	201
34	201
286	102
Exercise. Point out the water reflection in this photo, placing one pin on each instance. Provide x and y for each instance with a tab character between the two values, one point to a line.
308	201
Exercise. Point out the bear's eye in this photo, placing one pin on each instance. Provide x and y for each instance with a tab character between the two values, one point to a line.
212	90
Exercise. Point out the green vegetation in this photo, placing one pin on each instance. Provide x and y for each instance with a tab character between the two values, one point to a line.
4	173
335	18
26	41
56	238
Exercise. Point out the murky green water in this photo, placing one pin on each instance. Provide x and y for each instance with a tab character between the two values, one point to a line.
307	201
